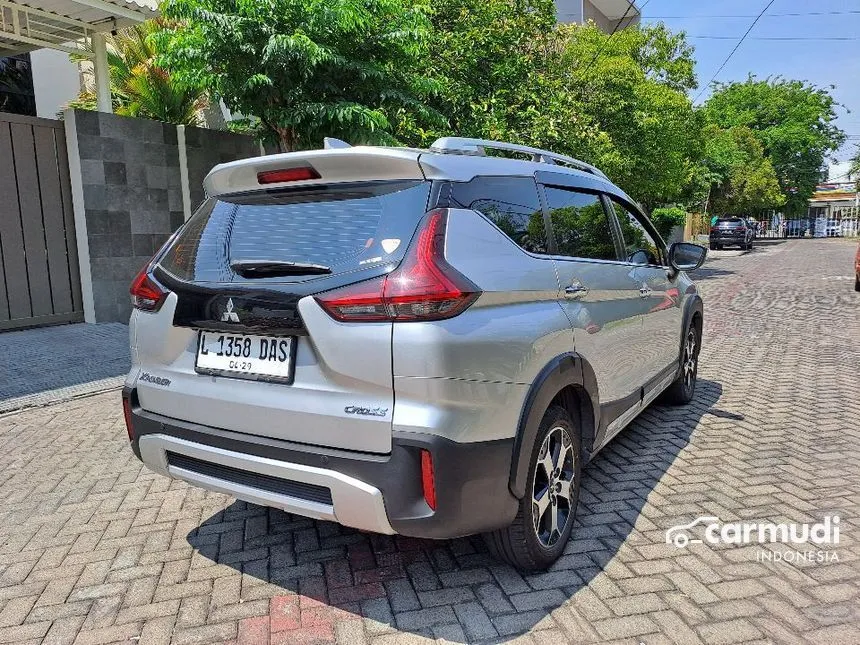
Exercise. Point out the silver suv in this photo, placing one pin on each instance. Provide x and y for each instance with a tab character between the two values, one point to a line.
424	342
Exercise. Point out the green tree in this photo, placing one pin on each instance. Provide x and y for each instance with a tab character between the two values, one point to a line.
854	169
507	71
742	179
305	68
496	64
633	87
139	86
793	121
666	219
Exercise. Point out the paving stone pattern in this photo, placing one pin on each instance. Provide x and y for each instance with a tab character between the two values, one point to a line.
95	549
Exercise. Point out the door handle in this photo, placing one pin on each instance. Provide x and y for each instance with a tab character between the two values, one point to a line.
644	291
575	291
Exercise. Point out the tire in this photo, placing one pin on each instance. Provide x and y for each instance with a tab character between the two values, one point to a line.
857	283
530	545
713	246
683	389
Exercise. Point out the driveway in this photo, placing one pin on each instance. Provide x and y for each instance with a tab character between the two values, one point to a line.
95	549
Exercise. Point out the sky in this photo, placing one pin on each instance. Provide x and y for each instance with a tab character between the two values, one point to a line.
815	57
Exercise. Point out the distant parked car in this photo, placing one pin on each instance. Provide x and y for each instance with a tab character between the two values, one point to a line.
795	228
731	231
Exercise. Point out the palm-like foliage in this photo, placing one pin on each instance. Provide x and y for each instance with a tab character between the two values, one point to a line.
139	87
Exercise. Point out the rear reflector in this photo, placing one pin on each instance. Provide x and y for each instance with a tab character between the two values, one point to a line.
287	174
126	411
428	478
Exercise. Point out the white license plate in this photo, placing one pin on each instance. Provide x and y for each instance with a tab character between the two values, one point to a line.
261	358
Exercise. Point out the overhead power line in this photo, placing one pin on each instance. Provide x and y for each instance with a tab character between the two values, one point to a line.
780	37
732	53
770	15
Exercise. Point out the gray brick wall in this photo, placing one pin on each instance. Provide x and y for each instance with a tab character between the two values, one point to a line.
206	148
132	194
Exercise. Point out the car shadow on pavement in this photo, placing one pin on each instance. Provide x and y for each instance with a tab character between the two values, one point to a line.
319	577
708	272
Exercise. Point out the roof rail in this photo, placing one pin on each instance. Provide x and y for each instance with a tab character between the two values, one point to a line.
468	146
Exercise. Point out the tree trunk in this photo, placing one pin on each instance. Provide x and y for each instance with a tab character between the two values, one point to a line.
286	139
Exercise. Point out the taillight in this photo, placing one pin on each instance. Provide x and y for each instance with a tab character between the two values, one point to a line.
126	411
146	294
428	479
423	287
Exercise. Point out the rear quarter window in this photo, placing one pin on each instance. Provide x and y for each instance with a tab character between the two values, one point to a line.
511	203
341	227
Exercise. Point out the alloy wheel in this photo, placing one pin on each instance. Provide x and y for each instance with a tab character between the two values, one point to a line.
690	360
552	507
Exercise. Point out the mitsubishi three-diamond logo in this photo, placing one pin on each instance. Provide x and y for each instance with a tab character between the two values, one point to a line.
229	315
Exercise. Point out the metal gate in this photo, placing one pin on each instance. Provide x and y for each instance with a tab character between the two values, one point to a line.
818	221
39	276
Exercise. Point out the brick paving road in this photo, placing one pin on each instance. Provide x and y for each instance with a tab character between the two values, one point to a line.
95	549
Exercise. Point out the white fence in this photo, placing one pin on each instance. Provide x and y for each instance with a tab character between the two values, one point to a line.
842	221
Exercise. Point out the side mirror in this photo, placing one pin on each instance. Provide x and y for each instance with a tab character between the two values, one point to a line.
685	256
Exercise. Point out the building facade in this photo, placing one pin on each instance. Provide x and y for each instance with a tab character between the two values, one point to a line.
608	15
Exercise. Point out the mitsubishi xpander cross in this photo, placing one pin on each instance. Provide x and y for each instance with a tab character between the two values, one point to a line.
424	342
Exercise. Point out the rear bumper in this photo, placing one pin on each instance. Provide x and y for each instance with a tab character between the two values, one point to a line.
379	493
728	239
358	504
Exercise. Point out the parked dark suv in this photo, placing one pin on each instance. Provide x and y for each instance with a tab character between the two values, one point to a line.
731	231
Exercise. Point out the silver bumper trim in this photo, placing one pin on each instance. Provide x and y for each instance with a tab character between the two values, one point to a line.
354	503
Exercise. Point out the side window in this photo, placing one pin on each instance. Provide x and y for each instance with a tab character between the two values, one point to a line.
580	224
511	203
639	246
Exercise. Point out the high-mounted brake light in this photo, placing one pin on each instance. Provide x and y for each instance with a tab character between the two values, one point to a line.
287	174
423	287
146	294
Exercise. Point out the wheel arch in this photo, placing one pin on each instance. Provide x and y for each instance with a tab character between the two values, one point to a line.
567	380
694	311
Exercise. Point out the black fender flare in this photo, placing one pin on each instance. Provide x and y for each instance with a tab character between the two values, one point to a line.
562	371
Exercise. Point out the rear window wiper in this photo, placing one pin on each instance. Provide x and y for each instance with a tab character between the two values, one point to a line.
272	268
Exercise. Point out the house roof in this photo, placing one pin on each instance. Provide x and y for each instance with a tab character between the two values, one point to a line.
63	24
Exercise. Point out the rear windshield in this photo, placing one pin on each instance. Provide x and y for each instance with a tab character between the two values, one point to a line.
342	228
730	222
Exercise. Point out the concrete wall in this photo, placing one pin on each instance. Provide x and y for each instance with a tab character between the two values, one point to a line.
127	190
567	11
56	81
